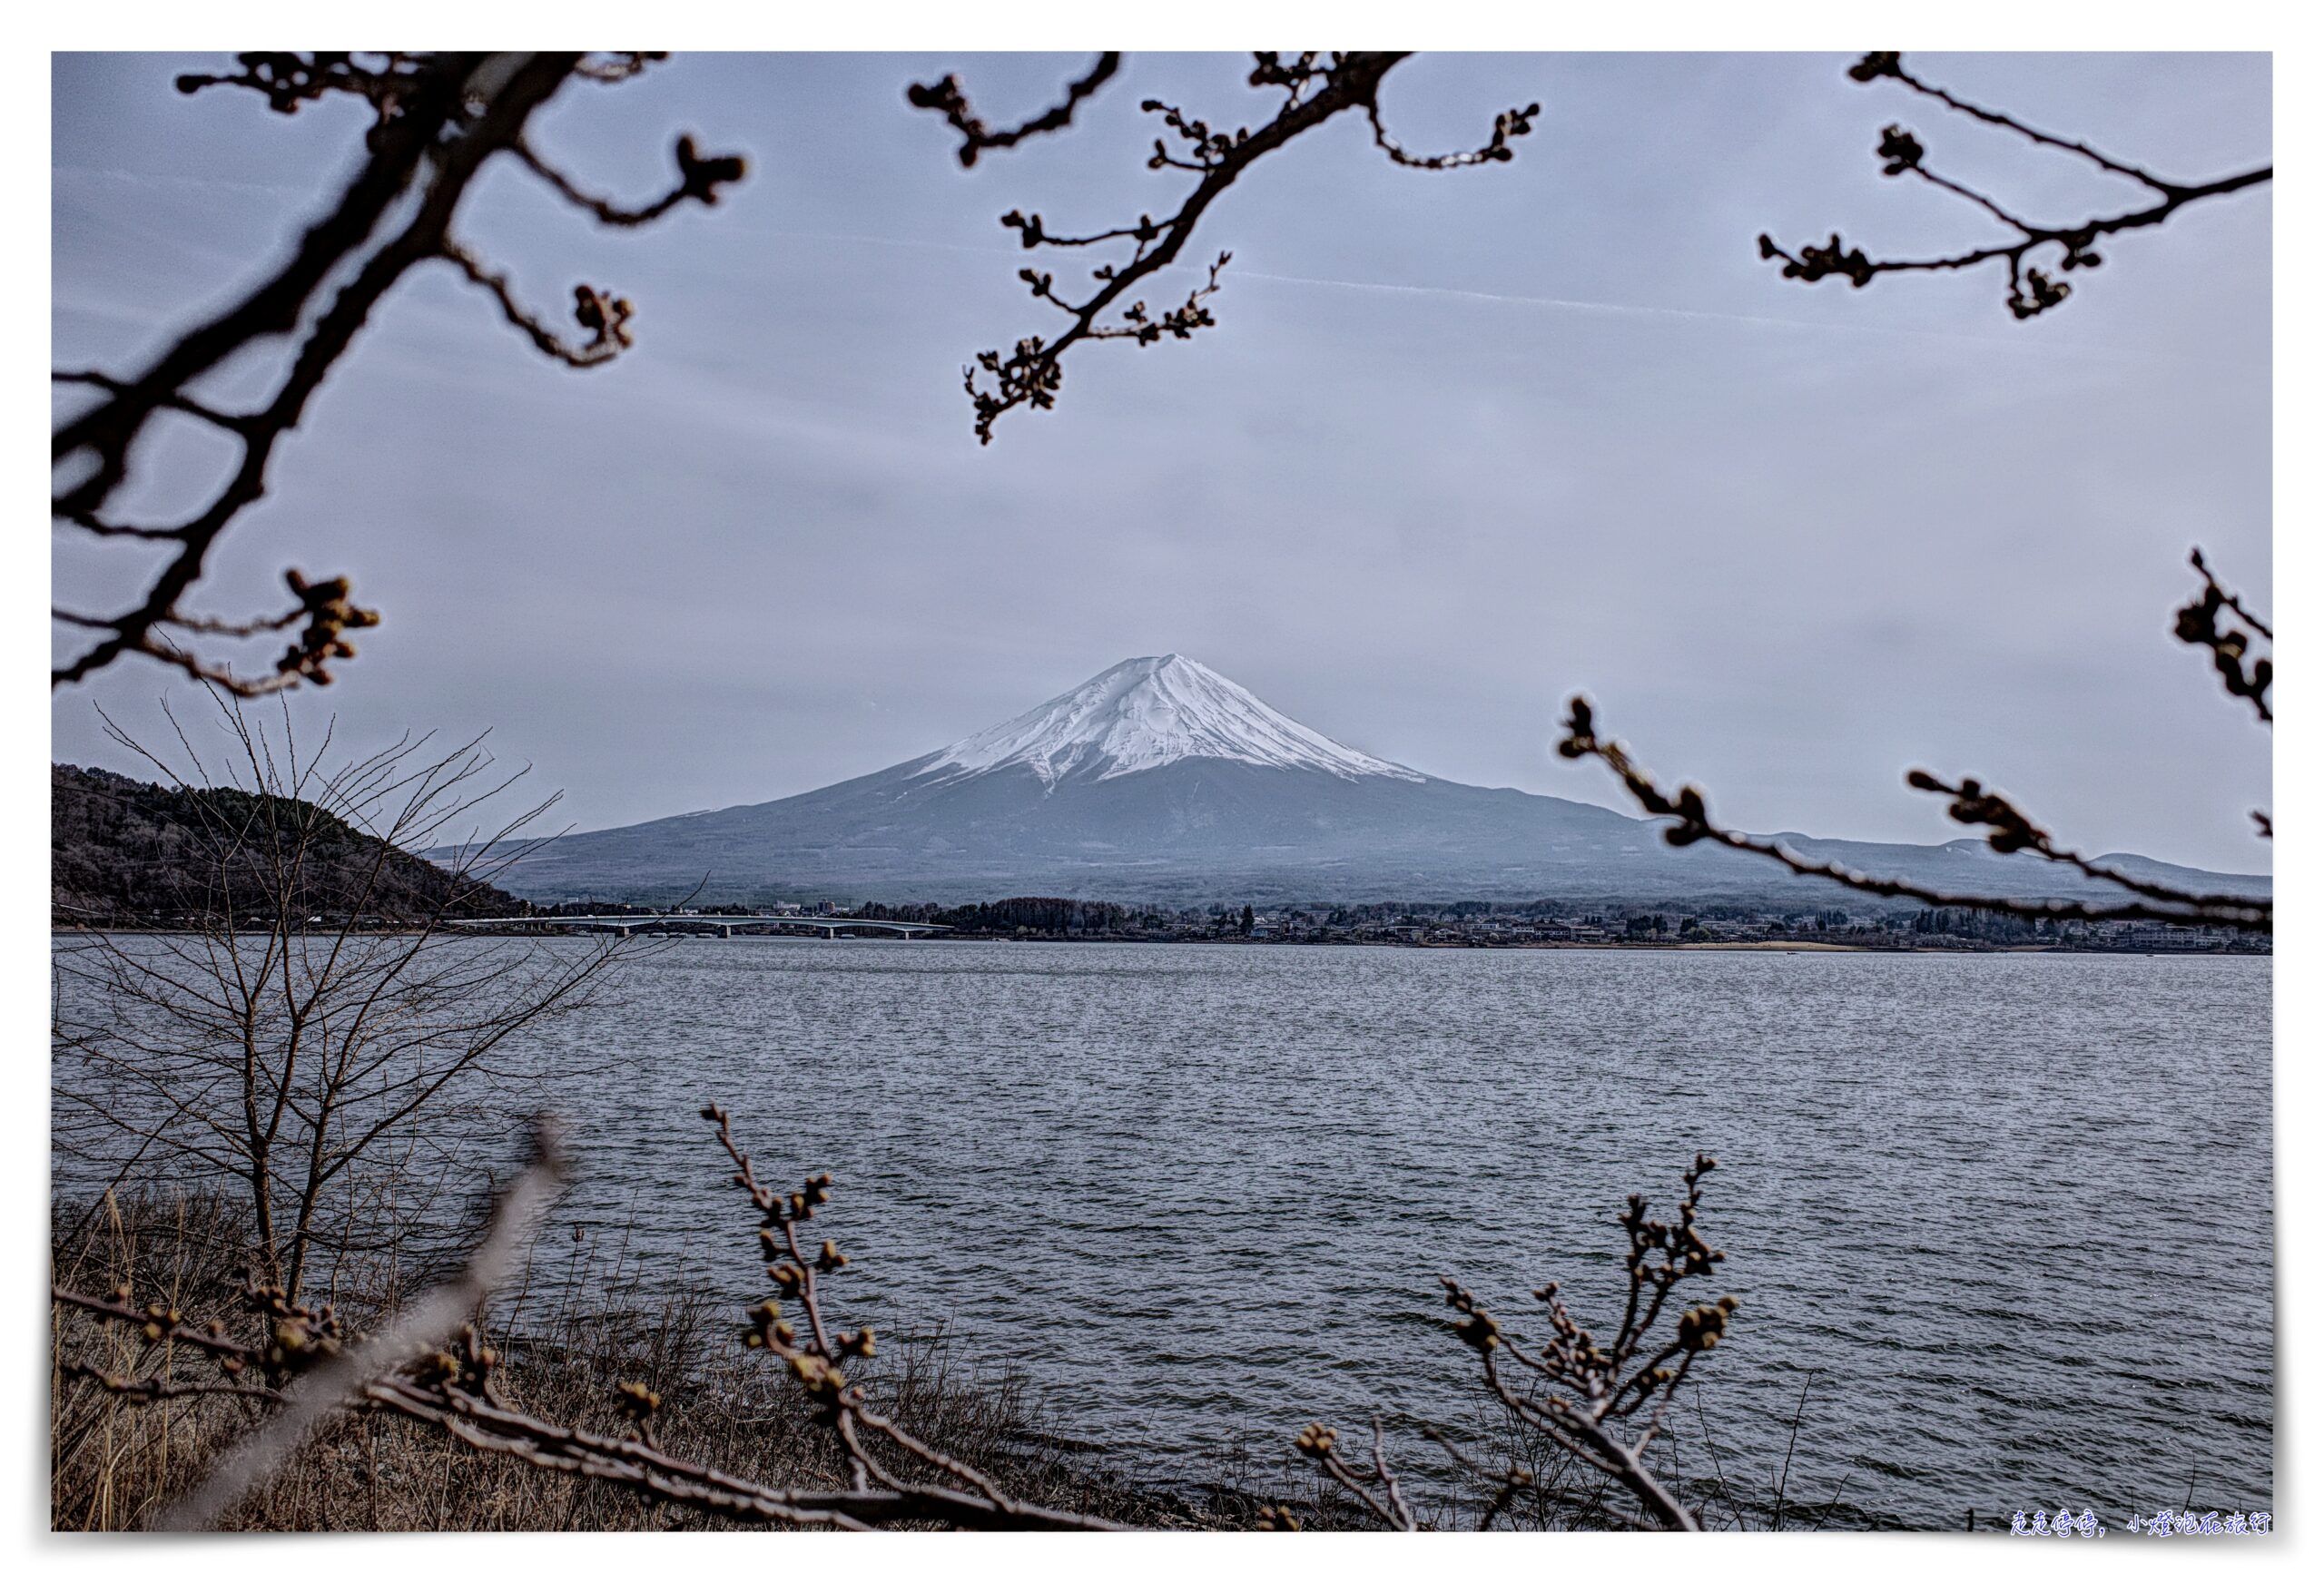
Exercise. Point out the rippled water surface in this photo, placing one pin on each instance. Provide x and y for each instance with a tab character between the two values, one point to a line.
2012	1212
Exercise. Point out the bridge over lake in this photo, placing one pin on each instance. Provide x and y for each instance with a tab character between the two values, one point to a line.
725	926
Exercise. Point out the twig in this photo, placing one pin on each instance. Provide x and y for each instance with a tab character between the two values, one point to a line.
2197	623
1791	1444
946	97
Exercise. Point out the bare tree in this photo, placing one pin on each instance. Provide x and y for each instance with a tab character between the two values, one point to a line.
2032	291
317	1029
437	120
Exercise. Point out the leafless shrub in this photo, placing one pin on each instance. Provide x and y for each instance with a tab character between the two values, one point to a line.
1595	1404
2032	291
305	1037
893	1474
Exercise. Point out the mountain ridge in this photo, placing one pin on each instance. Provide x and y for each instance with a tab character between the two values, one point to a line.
1158	780
125	852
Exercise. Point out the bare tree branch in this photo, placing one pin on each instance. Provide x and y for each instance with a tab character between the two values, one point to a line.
1509	124
2032	291
2007	829
1316	87
2011	832
438	120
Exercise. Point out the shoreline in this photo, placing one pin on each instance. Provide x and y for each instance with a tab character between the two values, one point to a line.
1821	947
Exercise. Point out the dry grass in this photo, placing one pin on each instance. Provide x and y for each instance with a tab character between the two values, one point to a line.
115	1463
584	1320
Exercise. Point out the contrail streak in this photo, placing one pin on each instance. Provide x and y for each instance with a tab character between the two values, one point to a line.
1568	304
1639	310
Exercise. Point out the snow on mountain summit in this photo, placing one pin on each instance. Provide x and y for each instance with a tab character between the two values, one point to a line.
1146	713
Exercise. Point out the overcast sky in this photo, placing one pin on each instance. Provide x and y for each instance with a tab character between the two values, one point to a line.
1461	443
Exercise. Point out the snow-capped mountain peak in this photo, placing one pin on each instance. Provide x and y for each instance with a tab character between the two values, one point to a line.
1146	712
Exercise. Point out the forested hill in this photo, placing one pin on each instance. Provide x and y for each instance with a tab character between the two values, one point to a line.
123	851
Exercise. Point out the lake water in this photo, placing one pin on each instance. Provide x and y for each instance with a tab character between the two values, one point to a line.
2008	1217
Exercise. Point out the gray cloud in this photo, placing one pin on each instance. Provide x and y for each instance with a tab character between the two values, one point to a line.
1461	443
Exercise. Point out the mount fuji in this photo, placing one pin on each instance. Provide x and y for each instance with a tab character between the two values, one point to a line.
1161	781
1144	714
